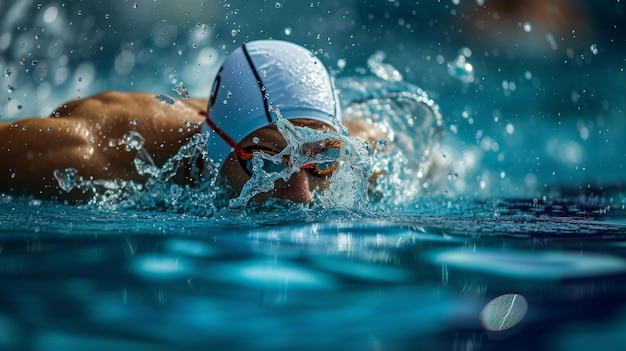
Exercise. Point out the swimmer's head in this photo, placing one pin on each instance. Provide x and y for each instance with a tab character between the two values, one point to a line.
262	75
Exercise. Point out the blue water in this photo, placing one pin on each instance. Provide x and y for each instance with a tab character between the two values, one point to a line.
515	240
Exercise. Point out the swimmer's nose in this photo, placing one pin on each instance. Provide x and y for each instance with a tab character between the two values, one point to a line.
296	189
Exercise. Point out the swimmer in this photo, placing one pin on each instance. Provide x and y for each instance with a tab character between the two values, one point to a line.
83	133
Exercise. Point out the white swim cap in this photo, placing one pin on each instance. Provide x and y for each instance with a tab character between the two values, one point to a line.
263	74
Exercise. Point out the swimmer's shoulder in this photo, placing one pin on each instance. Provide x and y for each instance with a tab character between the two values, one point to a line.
124	102
365	131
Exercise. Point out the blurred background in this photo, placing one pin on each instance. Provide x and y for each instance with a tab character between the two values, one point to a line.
532	92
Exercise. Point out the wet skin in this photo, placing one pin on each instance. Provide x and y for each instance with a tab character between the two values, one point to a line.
80	137
83	134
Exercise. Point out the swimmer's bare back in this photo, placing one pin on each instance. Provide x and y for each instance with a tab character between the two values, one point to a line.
83	134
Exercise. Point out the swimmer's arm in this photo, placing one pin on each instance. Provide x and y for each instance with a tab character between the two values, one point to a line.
31	149
84	137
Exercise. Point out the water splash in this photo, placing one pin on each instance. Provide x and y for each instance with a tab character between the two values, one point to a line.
348	183
413	125
161	191
405	113
383	70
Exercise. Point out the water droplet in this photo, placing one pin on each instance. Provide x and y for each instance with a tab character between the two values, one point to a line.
133	141
181	89
233	32
68	179
135	5
107	16
24	128
256	140
229	94
187	123
19	107
264	73
164	99
180	52
551	41
80	12
36	36
23	61
528	75
39	6
341	63
7	73
594	49
80	79
34	62
461	69
287	31
11	89
278	5
133	122
510	128
528	27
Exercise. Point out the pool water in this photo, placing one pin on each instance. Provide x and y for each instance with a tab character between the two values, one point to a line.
78	278
499	225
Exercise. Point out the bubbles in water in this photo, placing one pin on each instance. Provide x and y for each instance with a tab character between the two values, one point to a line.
528	27
11	89
594	49
133	122
256	140
287	31
278	5
164	99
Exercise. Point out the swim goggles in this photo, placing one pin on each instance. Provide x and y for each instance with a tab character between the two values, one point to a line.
327	149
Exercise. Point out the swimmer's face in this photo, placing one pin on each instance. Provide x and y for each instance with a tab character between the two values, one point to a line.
299	188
